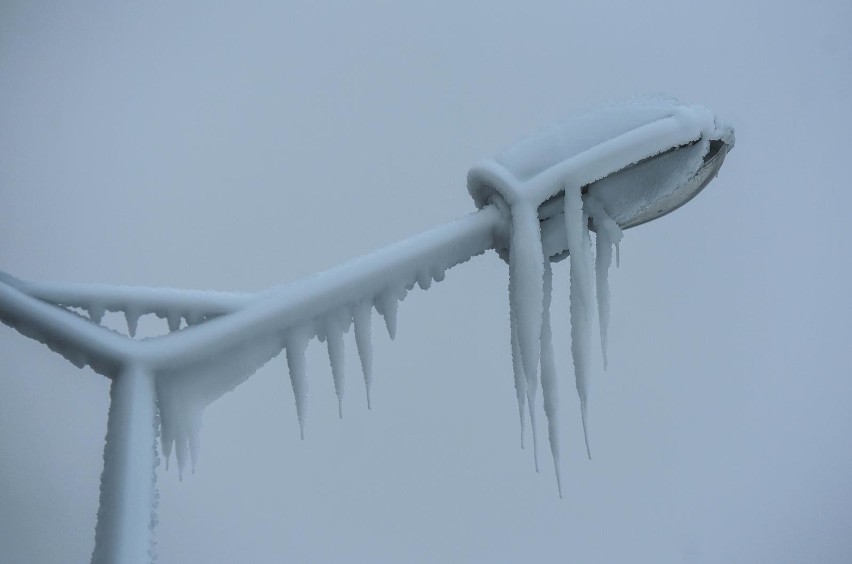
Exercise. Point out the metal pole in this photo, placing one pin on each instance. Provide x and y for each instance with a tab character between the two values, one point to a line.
127	512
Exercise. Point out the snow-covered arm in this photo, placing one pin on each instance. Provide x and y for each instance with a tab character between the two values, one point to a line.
69	334
133	301
382	276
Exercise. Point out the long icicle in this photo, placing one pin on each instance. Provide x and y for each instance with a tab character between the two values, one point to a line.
336	356
549	383
579	247
608	234
297	344
603	260
363	341
518	371
526	279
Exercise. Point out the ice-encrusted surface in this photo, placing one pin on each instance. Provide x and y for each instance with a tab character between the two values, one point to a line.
574	134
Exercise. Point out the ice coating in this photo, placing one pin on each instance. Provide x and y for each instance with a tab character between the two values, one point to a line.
629	194
364	343
128	494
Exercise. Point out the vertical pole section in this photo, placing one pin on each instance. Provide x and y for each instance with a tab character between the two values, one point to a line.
127	512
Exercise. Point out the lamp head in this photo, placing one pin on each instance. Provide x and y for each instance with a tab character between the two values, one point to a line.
640	159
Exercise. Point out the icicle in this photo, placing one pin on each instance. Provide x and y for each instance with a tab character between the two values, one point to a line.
173	318
403	292
518	371
438	274
363	340
549	383
424	280
194	438
618	255
297	343
526	272
132	317
167	438
96	313
584	410
603	260
387	306
334	341
608	233
181	446
581	298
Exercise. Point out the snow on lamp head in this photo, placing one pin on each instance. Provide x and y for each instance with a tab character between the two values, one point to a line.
641	159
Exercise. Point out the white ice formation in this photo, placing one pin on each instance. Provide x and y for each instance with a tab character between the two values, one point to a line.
604	170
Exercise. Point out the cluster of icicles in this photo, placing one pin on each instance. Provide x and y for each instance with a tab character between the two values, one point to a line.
183	393
530	289
183	397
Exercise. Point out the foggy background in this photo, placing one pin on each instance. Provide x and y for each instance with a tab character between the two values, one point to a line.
236	147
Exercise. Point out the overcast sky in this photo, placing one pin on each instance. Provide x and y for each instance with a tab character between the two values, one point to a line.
240	146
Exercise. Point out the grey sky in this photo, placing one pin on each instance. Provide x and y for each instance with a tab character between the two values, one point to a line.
236	147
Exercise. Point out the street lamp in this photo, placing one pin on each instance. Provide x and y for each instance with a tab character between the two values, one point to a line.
605	170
